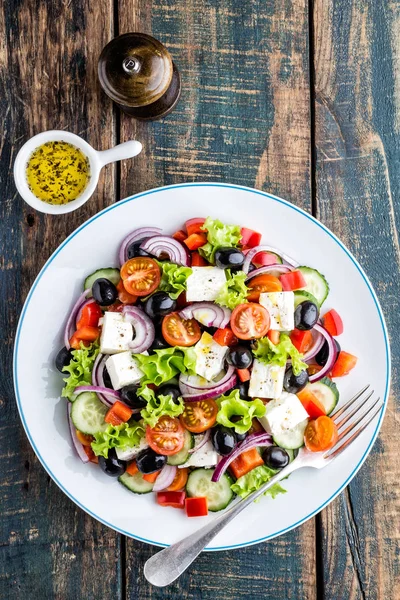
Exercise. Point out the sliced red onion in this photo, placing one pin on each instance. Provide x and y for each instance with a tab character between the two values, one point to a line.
204	439
213	393
315	348
194	383
112	394
143	327
165	478
135	236
259	438
70	326
251	254
164	244
208	314
98	379
278	268
332	354
79	313
77	444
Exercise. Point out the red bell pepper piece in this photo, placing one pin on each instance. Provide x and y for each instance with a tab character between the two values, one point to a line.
195	240
246	462
311	404
194	226
344	364
302	340
198	261
292	281
90	315
180	236
274	336
196	507
333	322
243	374
174	499
225	337
250	238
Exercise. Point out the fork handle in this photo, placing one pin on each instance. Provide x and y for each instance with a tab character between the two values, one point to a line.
166	566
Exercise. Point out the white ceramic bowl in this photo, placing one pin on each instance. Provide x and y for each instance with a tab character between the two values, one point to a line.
95	245
97	160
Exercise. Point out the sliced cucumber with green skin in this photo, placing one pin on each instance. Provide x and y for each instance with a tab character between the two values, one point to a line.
87	413
291	439
219	495
291	453
327	393
303	296
316	283
109	273
182	456
136	483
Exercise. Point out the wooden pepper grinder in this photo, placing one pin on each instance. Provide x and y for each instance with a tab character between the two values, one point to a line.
137	72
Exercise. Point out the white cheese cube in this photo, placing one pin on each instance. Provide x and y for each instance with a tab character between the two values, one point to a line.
116	333
280	306
204	457
123	369
283	414
130	453
266	381
210	357
204	284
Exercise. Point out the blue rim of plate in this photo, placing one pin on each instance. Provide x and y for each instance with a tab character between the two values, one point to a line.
228	186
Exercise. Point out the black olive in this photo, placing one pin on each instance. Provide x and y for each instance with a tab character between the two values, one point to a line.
169	389
210	330
240	436
306	315
150	462
223	440
63	359
322	356
252	267
112	466
275	457
159	304
135	250
240	357
104	291
243	387
159	343
229	258
130	397
107	379
295	383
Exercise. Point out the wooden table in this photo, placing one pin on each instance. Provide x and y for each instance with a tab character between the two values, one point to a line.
298	98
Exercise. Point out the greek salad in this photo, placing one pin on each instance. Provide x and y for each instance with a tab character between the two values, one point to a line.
198	367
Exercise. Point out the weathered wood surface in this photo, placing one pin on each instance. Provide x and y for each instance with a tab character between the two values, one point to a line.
247	115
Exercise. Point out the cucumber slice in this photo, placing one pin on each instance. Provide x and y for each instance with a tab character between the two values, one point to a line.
303	296
218	494
316	284
292	454
291	439
87	413
109	273
327	393
181	457
136	483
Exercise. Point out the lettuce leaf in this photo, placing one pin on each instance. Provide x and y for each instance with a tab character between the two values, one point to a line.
80	369
173	278
234	291
253	480
121	436
157	406
218	235
165	364
267	352
233	406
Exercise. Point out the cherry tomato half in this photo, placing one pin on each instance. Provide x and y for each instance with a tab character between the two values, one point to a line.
179	481
199	416
166	437
140	276
320	434
261	284
250	321
179	332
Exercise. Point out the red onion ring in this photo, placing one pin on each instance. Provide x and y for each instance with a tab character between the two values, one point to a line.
143	327
165	478
251	254
215	316
259	438
332	354
315	348
76	443
204	439
211	393
98	379
113	394
191	387
164	244
267	269
70	326
135	236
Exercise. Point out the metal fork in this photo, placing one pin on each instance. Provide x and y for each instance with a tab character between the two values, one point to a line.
166	566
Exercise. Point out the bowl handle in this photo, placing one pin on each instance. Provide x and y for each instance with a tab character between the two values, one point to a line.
120	152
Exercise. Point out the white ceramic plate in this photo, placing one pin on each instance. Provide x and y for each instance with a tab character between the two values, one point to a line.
94	245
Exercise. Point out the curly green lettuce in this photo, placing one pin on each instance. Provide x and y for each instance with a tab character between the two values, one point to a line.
243	412
79	369
269	353
165	364
253	480
234	291
218	235
158	406
122	436
173	278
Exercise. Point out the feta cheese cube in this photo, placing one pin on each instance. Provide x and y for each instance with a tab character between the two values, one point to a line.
204	284
123	369
204	457
283	413
210	357
280	306
133	451
266	381
116	333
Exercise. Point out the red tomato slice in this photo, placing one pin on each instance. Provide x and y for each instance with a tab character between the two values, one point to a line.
196	507
179	481
293	281
311	404
261	284
274	336
333	322
199	416
174	499
250	321
91	313
178	332
194	225
225	337
344	364
320	434
123	295
250	238
166	437
264	259
180	235
140	276
302	340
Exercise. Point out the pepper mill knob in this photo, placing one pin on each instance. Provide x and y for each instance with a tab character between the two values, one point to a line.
137	72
